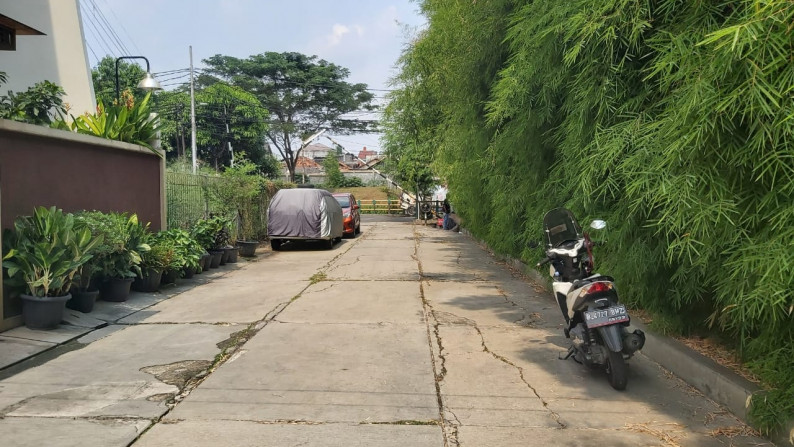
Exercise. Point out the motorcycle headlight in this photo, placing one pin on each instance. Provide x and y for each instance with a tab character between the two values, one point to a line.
346	215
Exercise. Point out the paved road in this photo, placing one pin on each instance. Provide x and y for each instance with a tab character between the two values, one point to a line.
404	336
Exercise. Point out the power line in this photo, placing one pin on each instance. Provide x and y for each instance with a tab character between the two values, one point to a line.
113	33
99	26
97	36
121	23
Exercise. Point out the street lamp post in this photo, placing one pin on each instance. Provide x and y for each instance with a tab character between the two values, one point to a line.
147	83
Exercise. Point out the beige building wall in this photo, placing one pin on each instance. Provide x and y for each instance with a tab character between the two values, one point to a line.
60	56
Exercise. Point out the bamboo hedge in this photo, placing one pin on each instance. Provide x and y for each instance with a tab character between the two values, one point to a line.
672	120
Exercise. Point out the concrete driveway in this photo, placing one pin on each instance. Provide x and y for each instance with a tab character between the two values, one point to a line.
404	336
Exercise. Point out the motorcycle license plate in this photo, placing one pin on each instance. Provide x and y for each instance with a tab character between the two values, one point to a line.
605	317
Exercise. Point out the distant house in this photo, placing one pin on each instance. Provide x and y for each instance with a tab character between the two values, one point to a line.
317	152
367	155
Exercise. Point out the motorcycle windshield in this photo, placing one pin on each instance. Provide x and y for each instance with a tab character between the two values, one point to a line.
560	226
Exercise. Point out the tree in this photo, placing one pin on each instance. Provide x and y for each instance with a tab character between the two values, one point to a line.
333	176
303	93
229	115
104	78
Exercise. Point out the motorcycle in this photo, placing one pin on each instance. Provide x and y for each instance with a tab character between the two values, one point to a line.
596	321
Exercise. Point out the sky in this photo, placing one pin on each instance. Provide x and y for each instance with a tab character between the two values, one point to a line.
364	36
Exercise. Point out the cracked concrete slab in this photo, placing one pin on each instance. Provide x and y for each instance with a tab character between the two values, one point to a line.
456	302
387	302
221	302
104	378
371	270
70	432
249	434
321	372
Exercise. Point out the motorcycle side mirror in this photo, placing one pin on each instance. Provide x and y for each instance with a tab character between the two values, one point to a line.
533	244
598	224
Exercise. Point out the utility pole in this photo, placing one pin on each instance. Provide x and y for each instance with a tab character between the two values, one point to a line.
192	114
228	135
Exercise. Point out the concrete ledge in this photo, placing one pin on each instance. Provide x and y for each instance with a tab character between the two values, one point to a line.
719	383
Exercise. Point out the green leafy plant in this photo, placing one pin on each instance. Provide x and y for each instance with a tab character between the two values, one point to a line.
187	251
46	250
38	105
212	233
128	121
237	194
124	240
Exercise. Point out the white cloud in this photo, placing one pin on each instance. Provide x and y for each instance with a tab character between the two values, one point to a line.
337	32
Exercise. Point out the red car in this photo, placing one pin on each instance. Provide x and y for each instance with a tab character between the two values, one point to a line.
351	218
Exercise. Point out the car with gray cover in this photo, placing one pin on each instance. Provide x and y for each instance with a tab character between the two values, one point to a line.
304	214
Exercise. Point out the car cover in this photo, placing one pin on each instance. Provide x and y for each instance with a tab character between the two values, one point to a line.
304	213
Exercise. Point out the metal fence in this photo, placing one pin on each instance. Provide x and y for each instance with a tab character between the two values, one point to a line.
191	197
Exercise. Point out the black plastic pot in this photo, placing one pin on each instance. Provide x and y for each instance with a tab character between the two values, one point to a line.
247	248
188	272
116	290
224	256
206	262
231	254
149	283
217	255
169	277
43	312
83	301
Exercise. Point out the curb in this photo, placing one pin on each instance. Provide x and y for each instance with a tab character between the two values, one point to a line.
717	382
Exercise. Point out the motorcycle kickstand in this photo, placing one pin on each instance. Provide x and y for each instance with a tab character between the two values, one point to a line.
571	351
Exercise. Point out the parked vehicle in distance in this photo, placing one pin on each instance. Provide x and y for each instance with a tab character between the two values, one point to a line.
304	214
351	217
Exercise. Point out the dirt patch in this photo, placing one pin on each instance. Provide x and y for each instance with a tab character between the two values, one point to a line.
178	373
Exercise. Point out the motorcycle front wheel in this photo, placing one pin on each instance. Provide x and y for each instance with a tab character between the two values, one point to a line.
617	371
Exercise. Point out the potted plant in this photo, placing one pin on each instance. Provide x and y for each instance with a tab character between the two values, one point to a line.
208	232
84	287
119	262
45	252
187	251
153	263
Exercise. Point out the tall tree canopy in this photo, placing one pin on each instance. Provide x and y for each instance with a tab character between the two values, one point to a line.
303	94
673	120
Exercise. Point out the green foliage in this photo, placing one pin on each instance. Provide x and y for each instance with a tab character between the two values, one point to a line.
123	242
333	175
306	94
238	193
212	233
37	105
130	122
104	79
46	250
186	250
672	120
222	104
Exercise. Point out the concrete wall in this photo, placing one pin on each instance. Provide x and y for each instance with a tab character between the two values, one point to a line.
40	166
59	57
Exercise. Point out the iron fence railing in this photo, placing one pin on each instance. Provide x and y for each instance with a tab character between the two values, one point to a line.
191	197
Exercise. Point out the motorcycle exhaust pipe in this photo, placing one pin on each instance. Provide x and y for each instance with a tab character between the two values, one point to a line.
633	342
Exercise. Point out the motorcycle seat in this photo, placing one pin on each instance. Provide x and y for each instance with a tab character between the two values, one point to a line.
577	283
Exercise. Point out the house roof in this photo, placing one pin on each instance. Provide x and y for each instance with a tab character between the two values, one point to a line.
20	28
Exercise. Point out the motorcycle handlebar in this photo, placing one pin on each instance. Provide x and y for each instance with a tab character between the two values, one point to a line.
543	261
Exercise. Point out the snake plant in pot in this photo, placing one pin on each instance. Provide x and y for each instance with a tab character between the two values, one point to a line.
45	251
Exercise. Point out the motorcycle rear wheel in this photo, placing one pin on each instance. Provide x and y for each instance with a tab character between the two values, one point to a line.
617	371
